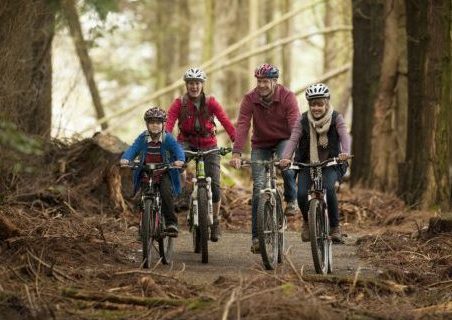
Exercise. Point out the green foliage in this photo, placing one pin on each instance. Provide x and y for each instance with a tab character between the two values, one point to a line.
11	138
102	7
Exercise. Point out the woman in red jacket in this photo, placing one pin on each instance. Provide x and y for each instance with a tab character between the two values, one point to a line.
195	113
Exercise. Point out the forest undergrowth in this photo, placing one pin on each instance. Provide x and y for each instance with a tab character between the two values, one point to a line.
66	229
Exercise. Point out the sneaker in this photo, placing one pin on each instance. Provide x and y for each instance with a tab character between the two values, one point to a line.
215	231
336	235
305	232
172	230
255	246
291	208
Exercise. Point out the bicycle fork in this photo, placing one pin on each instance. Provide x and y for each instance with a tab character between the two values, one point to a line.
193	208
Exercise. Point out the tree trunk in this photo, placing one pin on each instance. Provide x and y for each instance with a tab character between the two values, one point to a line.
286	53
209	29
166	47
338	52
253	24
384	158
73	20
426	164
183	38
270	10
367	57
26	34
232	25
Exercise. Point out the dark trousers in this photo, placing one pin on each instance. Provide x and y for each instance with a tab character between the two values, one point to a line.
167	198
330	176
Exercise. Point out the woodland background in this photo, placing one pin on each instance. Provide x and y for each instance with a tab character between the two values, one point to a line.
65	64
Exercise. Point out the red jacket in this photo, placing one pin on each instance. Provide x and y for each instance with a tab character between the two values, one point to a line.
186	117
270	124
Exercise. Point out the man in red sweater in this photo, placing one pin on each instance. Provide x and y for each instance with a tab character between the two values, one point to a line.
274	111
195	113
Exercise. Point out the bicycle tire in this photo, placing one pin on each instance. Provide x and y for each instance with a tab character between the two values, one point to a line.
166	245
318	236
146	233
196	240
203	224
281	227
267	232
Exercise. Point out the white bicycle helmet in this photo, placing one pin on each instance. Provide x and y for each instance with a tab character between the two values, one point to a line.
195	74
318	90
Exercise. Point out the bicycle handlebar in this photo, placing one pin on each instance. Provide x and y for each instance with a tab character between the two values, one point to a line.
149	166
326	163
245	162
222	151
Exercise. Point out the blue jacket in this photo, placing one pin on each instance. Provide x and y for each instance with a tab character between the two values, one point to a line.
170	151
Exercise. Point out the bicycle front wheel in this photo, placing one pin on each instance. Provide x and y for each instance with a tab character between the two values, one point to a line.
282	224
318	234
203	227
267	231
166	246
147	226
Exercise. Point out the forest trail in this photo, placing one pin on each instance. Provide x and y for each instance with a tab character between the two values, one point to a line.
231	257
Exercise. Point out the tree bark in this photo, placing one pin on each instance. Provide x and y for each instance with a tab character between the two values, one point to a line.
208	41
338	51
165	47
286	53
73	20
26	34
426	165
384	157
253	24
367	57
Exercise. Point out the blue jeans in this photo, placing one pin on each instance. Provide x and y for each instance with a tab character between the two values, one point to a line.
330	176
258	174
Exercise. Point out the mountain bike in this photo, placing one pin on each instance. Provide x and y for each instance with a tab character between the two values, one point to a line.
271	221
319	225
152	223
200	213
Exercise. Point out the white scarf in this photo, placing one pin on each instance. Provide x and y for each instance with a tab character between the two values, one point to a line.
318	127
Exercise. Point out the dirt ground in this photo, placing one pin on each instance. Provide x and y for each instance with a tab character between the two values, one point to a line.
67	252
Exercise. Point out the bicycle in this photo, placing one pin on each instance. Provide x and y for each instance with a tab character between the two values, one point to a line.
271	221
319	226
200	213
152	223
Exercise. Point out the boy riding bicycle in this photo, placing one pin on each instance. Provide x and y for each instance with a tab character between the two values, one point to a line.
156	146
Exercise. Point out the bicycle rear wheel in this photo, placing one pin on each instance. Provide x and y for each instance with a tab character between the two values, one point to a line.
318	233
166	245
267	232
147	225
203	224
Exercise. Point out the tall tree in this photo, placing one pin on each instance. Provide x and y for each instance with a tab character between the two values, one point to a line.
209	30
270	11
286	53
183	37
232	25
338	51
384	155
426	182
70	11
165	27
253	24
367	57
26	34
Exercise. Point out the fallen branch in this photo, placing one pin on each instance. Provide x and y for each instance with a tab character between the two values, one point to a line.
383	285
132	300
438	308
51	267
